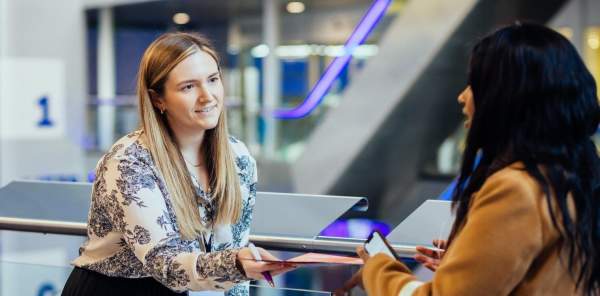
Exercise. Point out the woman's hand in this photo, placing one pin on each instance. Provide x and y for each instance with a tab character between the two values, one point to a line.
356	279
254	269
430	258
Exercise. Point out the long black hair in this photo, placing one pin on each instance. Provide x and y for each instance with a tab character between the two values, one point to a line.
536	102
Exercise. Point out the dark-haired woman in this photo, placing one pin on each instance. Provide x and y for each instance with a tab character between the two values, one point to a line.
528	214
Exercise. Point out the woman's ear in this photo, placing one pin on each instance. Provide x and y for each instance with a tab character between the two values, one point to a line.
156	100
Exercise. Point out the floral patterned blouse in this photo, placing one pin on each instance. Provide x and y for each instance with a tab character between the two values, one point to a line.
132	231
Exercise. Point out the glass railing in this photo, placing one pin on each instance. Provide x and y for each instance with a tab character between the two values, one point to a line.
38	264
268	291
18	278
26	279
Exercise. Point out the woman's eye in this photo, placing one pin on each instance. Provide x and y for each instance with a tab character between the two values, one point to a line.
213	79
187	87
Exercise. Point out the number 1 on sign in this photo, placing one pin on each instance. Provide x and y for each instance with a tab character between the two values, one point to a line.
44	104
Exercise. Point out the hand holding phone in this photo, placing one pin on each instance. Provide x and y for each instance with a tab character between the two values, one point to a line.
376	244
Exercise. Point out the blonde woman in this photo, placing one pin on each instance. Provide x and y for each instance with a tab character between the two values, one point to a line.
172	202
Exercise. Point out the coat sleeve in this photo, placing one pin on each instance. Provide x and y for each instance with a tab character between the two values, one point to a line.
490	255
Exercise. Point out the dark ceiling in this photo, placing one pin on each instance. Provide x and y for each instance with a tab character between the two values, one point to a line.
158	14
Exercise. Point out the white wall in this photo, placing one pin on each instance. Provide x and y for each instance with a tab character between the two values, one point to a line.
42	53
42	33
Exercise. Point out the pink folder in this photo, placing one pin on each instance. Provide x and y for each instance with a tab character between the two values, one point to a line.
317	258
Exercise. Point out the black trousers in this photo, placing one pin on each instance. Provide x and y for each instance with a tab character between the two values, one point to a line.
90	283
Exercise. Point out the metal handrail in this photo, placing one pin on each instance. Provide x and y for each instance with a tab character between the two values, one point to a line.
284	243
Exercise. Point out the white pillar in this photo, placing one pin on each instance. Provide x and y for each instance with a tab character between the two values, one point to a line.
3	46
246	88
251	107
3	27
272	74
106	79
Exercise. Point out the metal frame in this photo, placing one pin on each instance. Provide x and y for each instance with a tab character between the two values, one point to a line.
283	243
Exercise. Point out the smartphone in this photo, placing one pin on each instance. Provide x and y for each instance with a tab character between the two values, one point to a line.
376	244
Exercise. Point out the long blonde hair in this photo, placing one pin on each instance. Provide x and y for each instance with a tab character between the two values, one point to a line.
159	59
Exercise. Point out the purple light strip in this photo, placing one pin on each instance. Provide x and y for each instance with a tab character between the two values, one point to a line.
316	95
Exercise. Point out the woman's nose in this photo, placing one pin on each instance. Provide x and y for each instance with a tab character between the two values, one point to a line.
203	94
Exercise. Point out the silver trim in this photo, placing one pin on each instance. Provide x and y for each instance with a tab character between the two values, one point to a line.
43	226
319	244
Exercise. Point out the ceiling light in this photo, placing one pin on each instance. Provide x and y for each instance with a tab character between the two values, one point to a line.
566	31
181	18
295	7
260	51
594	41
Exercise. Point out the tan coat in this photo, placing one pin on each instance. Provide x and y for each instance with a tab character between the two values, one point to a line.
508	246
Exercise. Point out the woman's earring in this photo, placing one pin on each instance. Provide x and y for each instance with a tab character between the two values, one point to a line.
162	111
